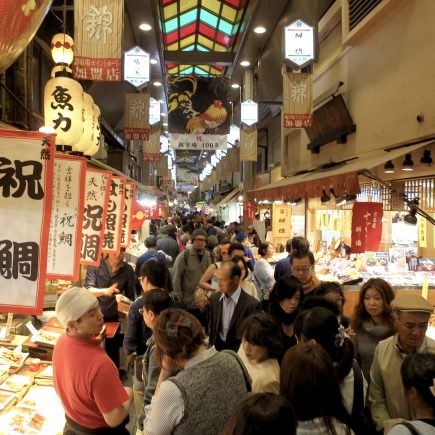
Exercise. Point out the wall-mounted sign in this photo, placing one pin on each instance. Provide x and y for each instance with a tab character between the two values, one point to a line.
249	112
299	43
137	67
154	111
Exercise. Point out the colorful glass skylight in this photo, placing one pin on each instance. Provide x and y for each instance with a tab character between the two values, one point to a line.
200	25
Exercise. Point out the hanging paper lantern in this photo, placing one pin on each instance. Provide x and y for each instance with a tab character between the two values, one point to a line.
86	139
96	133
62	49
63	105
60	69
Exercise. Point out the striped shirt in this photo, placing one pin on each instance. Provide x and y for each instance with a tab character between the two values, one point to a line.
167	406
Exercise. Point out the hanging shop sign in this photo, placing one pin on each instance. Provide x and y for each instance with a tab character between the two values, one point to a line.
298	100
136	118
249	112
115	209
422	233
151	147
130	190
299	43
366	226
98	29
154	111
97	190
249	210
248	145
137	67
142	213
198	141
63	259
281	222
26	179
234	158
199	105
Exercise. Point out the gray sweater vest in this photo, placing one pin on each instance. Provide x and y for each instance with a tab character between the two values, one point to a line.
211	392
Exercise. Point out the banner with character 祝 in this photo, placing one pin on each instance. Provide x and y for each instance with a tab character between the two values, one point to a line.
26	179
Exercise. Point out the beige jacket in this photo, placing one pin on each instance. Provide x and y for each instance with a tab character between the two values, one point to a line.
386	393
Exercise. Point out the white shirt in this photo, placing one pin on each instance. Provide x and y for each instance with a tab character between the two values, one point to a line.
228	307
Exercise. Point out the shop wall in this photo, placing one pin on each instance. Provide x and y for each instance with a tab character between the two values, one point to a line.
387	71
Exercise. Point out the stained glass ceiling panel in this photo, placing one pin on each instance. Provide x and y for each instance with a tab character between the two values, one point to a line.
200	26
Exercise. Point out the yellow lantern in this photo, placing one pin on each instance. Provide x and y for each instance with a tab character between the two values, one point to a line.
62	49
85	141
96	133
63	105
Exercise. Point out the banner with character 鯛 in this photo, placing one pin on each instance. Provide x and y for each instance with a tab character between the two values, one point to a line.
26	179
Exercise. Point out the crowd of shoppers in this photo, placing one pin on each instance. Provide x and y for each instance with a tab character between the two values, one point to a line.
221	343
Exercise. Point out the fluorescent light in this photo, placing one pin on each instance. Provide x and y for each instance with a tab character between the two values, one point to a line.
260	29
145	27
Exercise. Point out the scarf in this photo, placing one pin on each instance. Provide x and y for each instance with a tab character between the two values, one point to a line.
311	284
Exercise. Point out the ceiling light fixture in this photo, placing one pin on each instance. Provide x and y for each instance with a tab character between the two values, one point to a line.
260	30
153	61
165	124
408	164
145	27
157	84
389	167
161	102
295	201
427	158
325	197
411	217
245	63
235	85
163	114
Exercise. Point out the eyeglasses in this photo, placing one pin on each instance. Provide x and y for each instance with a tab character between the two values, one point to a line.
301	269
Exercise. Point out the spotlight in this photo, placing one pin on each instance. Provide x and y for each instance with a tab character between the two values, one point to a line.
408	164
426	159
389	167
325	197
295	201
341	200
411	217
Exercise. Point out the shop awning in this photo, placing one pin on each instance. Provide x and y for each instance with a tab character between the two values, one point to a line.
343	178
227	198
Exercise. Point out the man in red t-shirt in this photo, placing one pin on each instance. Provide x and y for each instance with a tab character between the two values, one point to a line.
85	378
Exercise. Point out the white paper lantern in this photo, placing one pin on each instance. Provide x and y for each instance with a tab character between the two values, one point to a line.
96	133
62	48
63	105
86	140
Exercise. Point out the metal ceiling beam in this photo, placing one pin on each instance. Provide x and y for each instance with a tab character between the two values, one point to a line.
199	58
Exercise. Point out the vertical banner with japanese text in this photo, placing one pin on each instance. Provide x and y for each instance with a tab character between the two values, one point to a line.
249	210
366	226
281	222
136	117
130	190
151	147
115	209
248	145
298	100
63	258
26	179
98	28
97	189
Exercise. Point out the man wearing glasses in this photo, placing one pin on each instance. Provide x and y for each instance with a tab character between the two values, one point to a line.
189	267
387	399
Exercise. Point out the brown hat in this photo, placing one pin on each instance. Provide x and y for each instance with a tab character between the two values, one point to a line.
411	303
